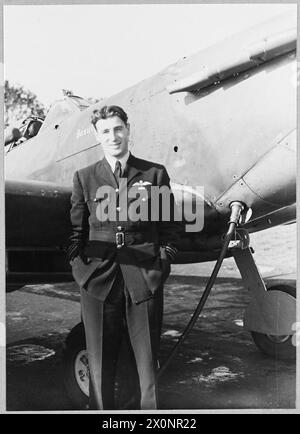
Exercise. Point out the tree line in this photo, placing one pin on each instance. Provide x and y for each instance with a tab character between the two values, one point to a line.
20	103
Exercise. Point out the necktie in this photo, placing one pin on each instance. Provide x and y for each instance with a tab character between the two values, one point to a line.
118	171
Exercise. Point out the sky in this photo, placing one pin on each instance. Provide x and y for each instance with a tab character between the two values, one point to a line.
99	50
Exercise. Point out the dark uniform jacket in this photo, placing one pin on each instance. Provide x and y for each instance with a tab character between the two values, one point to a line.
94	241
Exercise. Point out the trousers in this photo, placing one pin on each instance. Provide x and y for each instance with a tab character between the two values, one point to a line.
107	323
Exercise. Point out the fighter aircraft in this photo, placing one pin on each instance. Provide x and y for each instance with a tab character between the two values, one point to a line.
224	119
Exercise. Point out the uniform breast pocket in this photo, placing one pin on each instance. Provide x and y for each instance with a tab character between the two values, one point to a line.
98	211
139	204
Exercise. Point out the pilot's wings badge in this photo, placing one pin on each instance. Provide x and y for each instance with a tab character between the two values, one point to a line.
141	184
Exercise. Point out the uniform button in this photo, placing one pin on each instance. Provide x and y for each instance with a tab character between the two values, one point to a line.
118	208
144	199
117	190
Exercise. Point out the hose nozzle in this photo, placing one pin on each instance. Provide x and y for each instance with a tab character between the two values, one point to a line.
236	210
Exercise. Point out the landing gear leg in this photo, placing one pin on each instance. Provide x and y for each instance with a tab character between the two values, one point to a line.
271	314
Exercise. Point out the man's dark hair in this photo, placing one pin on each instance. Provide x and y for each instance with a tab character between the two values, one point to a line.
109	111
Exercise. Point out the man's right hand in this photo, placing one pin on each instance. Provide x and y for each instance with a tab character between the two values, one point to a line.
85	259
74	251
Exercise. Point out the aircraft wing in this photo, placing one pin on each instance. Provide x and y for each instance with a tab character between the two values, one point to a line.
37	214
37	229
283	216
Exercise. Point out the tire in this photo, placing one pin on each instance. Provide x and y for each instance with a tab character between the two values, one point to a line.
277	347
75	368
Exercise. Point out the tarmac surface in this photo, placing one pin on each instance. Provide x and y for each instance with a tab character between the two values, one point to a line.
218	367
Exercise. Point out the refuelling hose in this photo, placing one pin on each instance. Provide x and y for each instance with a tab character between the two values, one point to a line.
236	210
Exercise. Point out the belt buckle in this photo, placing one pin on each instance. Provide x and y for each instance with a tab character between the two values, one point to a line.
120	239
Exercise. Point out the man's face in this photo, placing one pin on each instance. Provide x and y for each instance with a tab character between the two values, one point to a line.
113	134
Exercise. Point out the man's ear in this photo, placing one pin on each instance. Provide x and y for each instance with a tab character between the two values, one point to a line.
128	127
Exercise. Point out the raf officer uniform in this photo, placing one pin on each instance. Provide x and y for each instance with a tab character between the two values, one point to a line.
120	266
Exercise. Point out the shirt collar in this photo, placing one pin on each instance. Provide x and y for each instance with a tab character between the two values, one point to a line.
112	161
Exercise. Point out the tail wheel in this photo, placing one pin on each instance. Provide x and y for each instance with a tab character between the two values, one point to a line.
278	347
76	368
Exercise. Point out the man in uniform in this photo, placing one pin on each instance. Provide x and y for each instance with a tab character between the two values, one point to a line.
120	261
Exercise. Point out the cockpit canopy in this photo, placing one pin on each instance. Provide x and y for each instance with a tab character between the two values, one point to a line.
34	125
64	108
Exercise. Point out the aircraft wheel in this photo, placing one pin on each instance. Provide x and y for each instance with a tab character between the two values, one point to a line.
76	368
278	347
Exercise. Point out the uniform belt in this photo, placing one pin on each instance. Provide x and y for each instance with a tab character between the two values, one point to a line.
121	238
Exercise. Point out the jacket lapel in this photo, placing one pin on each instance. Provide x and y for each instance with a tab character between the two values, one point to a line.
104	172
130	172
